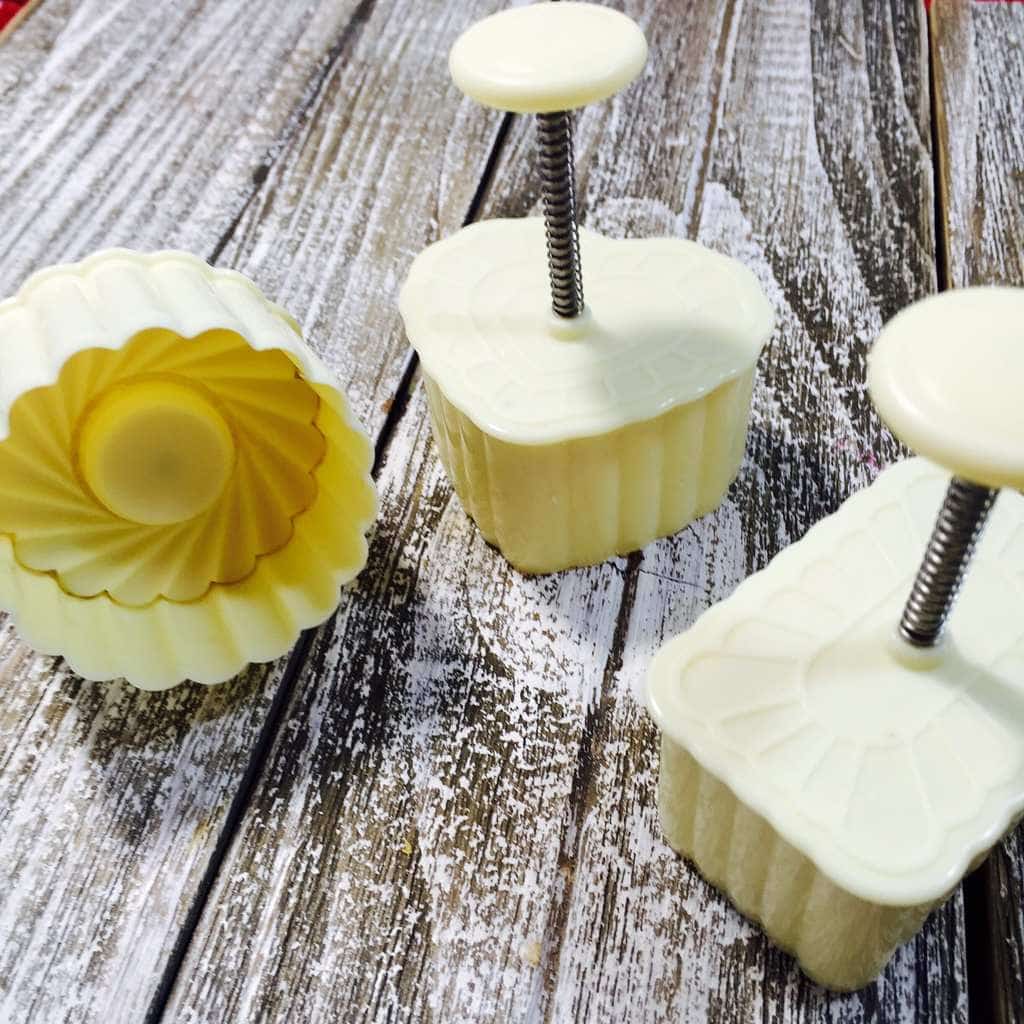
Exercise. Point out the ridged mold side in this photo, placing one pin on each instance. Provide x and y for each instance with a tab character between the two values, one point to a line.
839	940
116	294
581	501
210	640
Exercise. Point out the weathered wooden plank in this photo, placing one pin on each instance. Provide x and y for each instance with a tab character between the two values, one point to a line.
20	63
479	781
361	187
435	741
979	73
397	858
979	67
126	127
821	181
147	126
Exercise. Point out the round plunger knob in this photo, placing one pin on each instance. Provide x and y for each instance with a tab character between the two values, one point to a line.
945	375
155	451
548	57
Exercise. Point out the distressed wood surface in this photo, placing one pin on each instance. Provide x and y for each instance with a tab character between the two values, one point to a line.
456	821
453	807
979	75
827	195
112	802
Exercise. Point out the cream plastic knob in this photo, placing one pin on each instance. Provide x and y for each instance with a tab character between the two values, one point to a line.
946	376
156	452
548	57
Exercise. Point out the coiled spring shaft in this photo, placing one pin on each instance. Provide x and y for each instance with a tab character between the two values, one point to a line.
952	543
558	180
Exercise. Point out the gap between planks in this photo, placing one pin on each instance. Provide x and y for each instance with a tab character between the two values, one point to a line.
346	39
297	659
984	952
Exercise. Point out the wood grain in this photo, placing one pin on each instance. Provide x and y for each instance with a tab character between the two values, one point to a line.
130	124
456	822
436	739
820	180
979	70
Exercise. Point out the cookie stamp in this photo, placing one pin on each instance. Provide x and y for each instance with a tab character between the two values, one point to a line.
184	486
836	755
574	428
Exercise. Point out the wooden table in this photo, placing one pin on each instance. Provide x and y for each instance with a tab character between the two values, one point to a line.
441	807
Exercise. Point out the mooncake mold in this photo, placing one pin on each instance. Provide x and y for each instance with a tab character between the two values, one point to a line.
568	442
834	782
184	486
574	428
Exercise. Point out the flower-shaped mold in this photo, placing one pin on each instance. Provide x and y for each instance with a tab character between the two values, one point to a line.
183	487
571	441
834	783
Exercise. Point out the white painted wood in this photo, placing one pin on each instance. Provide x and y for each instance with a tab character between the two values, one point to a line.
163	126
457	820
979	71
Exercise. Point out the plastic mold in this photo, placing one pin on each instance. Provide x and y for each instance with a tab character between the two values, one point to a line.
184	487
836	768
574	431
566	451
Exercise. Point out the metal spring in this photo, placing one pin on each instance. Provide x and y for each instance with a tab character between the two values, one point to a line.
558	180
952	543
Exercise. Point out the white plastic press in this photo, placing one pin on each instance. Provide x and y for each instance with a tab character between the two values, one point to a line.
836	754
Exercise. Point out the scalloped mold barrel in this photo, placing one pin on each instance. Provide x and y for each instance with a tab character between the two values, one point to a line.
569	441
834	782
185	488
